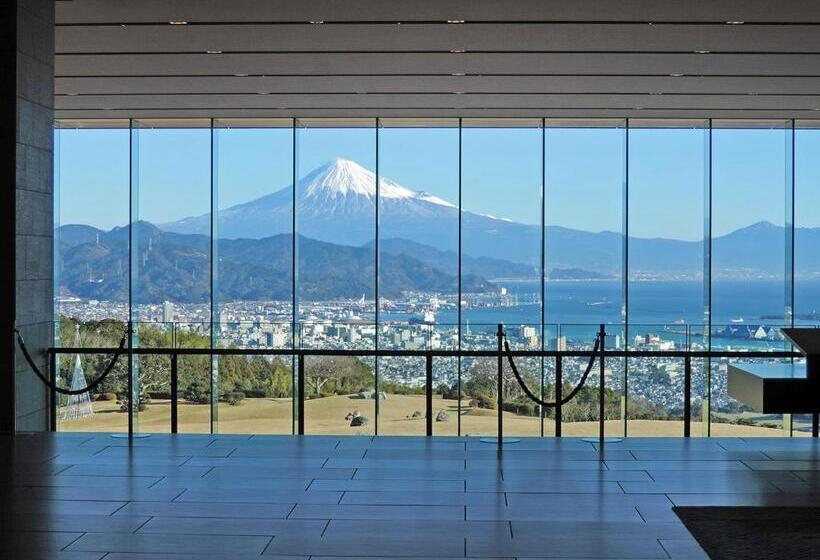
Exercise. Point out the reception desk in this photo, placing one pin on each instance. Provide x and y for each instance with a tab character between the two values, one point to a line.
781	388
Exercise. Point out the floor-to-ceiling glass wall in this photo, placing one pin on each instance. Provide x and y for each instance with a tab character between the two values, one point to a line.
751	266
91	267
171	269
418	271
585	182
667	188
336	271
253	272
806	236
644	227
501	257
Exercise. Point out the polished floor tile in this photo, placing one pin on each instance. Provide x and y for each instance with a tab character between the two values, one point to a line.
208	497
141	542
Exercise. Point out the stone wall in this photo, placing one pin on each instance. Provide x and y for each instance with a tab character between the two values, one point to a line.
26	261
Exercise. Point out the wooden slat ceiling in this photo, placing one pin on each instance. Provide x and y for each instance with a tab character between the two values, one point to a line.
435	58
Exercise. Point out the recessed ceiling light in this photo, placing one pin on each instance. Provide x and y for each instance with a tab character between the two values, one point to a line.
702	52
241	75
178	22
735	22
457	74
638	108
214	52
263	93
317	21
676	75
457	50
455	21
458	93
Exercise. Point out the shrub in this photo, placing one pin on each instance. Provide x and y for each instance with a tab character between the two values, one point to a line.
197	393
107	397
234	398
510	407
483	401
450	393
527	409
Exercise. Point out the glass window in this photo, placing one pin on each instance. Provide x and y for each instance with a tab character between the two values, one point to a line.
668	186
253	282
91	265
346	234
806	223
501	267
751	182
336	270
171	268
585	176
418	270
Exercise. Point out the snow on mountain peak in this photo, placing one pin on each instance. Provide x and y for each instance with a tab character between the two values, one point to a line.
343	177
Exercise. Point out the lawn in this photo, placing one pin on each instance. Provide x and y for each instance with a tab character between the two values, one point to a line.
327	416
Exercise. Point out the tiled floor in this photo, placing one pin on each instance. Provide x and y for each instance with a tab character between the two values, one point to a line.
88	497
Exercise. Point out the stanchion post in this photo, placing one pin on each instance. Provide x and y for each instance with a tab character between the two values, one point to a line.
559	394
429	393
174	393
815	424
52	366
687	396
500	402
601	384
300	373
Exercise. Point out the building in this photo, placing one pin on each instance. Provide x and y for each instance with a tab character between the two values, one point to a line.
333	199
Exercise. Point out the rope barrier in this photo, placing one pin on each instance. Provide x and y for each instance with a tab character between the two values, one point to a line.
572	393
109	368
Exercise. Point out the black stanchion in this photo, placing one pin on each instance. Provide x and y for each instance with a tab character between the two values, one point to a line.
602	439
429	393
300	372
559	394
52	394
174	393
500	441
500	336
602	386
687	397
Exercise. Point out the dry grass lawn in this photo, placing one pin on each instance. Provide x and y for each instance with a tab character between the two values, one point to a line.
327	416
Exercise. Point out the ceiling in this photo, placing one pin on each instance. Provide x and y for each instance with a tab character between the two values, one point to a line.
435	58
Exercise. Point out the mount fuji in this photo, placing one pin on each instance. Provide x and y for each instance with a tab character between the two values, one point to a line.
336	203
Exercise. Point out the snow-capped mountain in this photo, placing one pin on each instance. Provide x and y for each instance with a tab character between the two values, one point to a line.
337	203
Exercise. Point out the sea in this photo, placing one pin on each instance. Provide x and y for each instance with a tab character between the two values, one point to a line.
652	305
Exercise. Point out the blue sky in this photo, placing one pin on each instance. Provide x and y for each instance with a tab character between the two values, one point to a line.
501	173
